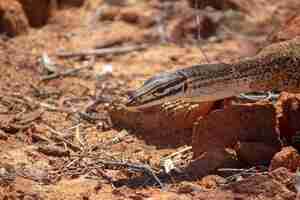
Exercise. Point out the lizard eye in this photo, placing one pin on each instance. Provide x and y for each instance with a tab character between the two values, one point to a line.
159	91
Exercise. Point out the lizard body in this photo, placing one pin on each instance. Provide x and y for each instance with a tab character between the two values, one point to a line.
275	67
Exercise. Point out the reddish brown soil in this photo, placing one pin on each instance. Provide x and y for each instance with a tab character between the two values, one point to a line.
51	153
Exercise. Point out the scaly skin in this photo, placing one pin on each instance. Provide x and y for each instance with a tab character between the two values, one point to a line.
276	67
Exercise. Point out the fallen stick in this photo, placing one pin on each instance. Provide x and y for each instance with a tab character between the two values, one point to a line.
169	163
52	150
58	136
181	151
48	64
239	173
136	167
63	74
48	107
68	72
102	52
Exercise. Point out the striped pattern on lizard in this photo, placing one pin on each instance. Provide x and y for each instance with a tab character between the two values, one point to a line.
276	67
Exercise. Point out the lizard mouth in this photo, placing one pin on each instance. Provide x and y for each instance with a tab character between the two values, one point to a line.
135	99
131	101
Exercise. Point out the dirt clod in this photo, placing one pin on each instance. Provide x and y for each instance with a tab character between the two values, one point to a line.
12	18
288	157
137	16
36	12
186	187
290	30
3	135
212	181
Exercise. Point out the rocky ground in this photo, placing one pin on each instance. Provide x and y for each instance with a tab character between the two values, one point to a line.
62	63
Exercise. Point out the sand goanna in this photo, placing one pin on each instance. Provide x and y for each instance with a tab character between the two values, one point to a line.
275	67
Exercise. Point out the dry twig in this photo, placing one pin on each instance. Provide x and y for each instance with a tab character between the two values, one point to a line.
241	173
135	167
52	150
102	52
69	72
58	137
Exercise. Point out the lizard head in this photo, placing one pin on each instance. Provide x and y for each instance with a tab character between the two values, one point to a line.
158	89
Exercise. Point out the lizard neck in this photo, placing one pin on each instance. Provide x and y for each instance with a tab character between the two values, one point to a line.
212	82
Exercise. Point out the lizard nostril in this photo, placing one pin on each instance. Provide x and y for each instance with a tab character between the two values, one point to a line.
130	93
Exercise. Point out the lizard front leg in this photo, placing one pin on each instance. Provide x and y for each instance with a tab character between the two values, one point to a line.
185	113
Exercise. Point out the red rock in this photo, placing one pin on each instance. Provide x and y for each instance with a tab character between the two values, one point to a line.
37	12
187	187
137	16
258	11
288	157
109	13
284	176
133	15
255	187
210	161
212	181
192	26
255	153
260	185
245	123
288	31
288	109
12	18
